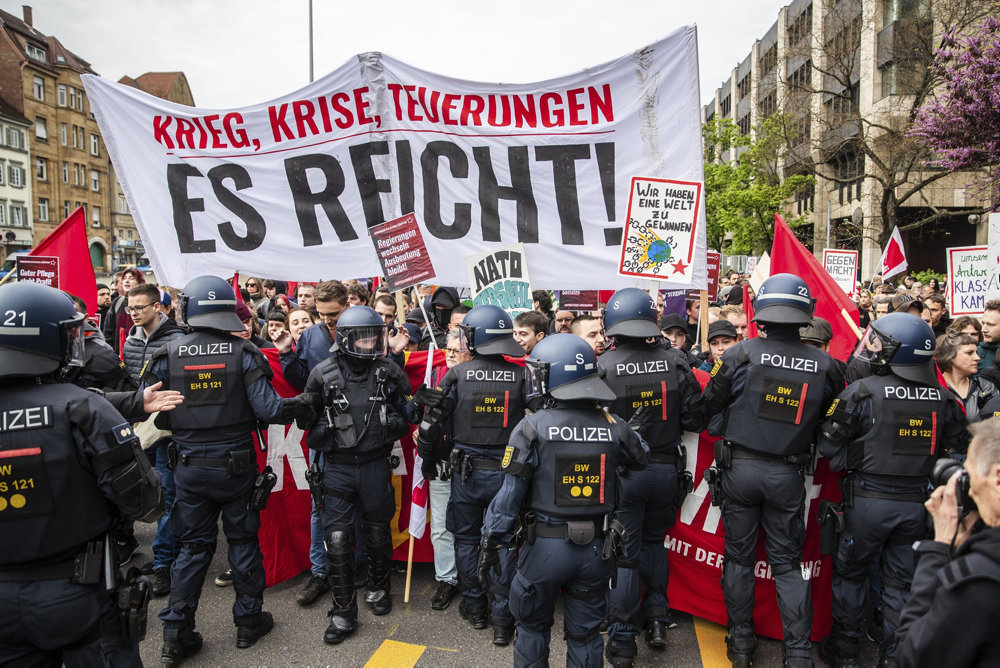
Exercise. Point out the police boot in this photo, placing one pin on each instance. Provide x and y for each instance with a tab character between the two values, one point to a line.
340	562
740	651
379	546
342	624
621	654
503	635
175	650
799	660
656	635
251	628
837	653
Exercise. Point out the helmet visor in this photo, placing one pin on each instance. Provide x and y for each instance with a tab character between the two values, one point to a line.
466	339
536	377
181	310
876	349
368	341
71	332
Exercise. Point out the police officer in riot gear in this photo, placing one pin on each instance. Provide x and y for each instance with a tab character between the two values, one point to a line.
655	386
358	395
561	476
766	398
484	400
69	466
226	386
887	430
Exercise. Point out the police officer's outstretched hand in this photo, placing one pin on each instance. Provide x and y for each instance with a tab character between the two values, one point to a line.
428	396
299	409
489	558
154	399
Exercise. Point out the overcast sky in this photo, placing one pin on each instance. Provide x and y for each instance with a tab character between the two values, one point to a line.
239	52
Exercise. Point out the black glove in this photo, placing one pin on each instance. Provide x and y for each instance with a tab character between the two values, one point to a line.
489	557
429	469
298	409
426	449
426	396
640	420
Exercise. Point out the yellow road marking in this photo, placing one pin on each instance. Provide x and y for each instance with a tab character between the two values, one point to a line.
711	643
394	654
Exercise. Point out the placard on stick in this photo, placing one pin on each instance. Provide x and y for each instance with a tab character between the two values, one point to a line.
38	269
500	277
842	265
660	233
969	277
401	252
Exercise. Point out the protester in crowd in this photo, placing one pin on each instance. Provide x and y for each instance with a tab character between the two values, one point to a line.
457	316
956	357
407	304
908	282
932	283
304	295
864	309
674	329
277	322
966	324
818	334
906	303
937	309
282	302
357	293
118	319
530	327
103	301
413	330
251	327
880	305
990	322
542	302
737	317
659	305
562	322
721	337
950	619
443	302
692	308
258	300
273	288
591	330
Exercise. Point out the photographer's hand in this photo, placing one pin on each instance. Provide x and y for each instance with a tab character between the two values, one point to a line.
943	508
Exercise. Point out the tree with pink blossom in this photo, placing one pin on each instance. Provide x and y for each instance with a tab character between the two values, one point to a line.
961	122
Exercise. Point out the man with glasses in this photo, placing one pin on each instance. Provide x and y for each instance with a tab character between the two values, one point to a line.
152	330
563	322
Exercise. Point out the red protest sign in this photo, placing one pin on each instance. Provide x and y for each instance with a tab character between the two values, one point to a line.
578	300
401	252
38	269
713	261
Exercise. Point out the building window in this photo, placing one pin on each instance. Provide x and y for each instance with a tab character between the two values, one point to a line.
2	169
65	171
122	204
72	97
18	218
38	88
725	106
35	53
43	209
63	133
41	169
96	216
3	212
801	79
95	180
65	209
76	174
768	105
16	176
41	129
769	60
743	87
79	101
744	125
14	138
801	27
95	145
62	95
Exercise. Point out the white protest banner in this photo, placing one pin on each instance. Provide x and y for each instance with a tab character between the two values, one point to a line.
662	229
842	265
993	244
289	187
970	272
500	278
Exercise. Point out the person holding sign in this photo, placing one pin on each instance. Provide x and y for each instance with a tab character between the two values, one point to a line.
657	392
226	385
766	398
887	430
481	401
560	474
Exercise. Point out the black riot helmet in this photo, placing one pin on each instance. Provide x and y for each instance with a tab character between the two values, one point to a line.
902	342
40	331
361	333
564	366
784	299
631	312
208	302
489	330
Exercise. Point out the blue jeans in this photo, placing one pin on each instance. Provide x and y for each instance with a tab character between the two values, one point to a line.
164	547
442	540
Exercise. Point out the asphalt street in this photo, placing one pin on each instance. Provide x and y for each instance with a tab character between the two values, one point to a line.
411	635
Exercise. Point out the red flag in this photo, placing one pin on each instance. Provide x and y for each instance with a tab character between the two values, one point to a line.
68	242
788	255
893	258
236	289
748	309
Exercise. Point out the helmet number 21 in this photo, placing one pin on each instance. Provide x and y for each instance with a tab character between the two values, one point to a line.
11	316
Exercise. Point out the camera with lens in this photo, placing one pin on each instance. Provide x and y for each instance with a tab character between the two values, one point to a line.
943	470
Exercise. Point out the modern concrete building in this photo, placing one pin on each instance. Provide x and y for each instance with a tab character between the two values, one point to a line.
846	74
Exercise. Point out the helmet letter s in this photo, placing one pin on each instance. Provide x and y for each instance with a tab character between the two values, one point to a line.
211	294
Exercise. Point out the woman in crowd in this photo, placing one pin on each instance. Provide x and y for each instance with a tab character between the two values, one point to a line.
956	357
281	301
932	283
966	324
251	327
276	324
297	321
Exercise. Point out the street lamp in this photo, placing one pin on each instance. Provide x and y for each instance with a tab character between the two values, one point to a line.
974	219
